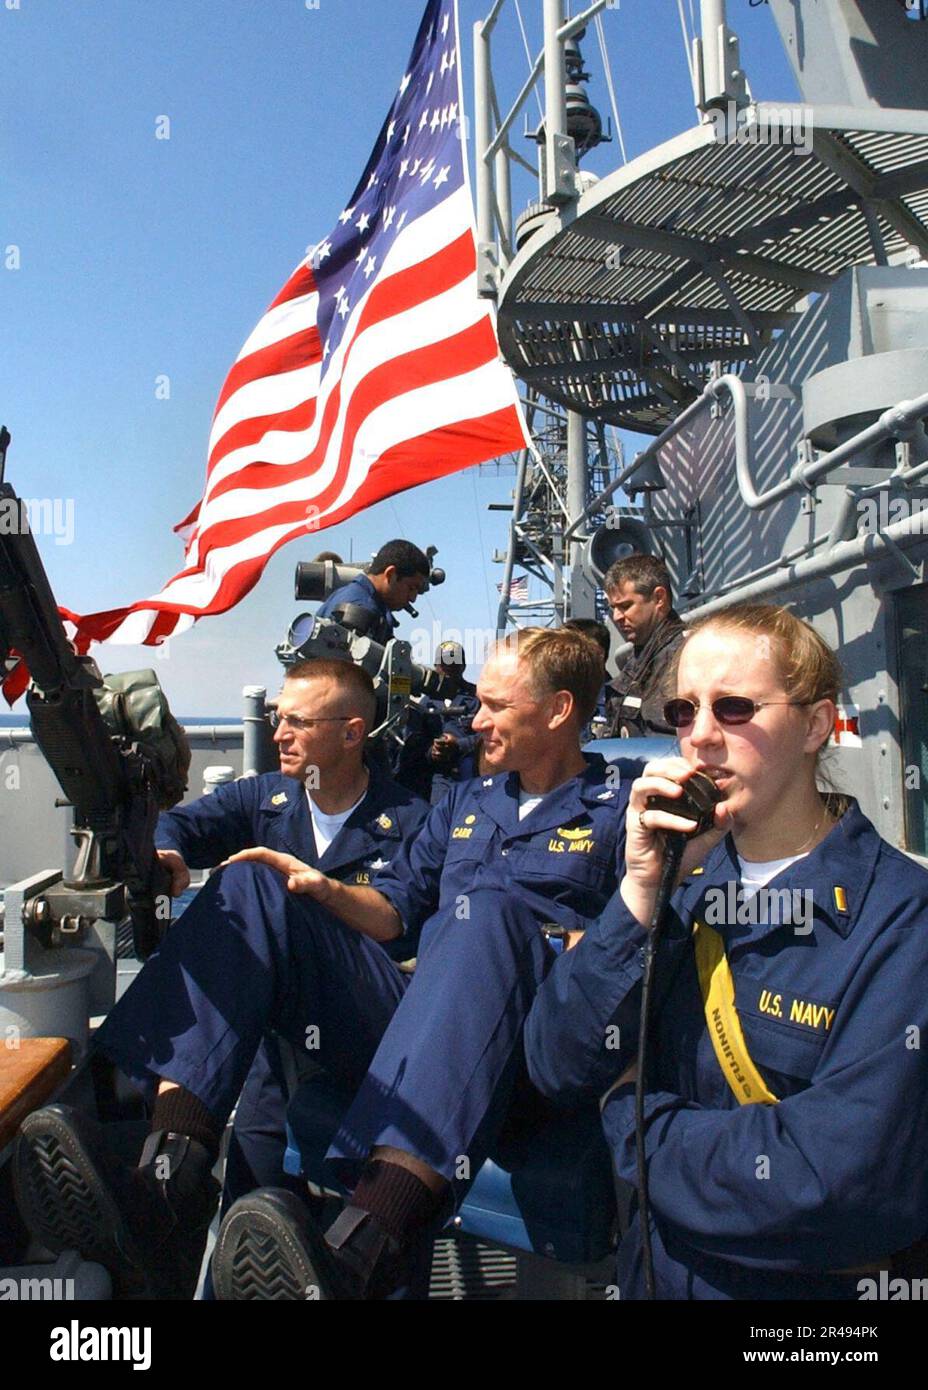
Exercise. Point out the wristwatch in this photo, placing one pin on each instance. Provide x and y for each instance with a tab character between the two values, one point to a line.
555	936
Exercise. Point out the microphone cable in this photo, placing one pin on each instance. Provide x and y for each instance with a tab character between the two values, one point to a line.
698	802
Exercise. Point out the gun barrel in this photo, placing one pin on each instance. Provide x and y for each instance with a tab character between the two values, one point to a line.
28	613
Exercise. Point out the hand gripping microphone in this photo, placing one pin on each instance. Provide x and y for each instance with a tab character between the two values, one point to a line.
697	803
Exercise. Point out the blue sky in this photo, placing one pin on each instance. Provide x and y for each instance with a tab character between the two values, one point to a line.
142	258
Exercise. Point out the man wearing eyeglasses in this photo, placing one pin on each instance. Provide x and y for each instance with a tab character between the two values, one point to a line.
351	820
330	808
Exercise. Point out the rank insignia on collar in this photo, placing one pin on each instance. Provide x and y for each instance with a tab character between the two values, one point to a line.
279	799
605	796
378	863
384	822
840	899
488	781
469	820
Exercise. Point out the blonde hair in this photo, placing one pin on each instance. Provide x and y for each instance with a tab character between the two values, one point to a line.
560	658
807	666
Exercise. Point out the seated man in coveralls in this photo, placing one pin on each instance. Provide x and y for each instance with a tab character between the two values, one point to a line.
505	866
349	821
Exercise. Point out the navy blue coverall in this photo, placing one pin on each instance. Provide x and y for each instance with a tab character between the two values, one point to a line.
361	592
764	1201
248	956
272	810
481	882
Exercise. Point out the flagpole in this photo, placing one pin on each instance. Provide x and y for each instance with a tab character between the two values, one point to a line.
502	616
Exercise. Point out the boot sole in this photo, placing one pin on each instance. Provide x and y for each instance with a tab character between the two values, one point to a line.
63	1198
264	1251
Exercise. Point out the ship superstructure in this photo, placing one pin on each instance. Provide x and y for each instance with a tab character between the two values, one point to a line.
753	295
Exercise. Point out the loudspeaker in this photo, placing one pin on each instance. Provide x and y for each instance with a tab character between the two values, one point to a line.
626	536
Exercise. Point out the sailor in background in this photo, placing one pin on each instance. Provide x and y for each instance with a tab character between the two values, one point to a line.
641	599
398	573
452	751
786	1104
439	745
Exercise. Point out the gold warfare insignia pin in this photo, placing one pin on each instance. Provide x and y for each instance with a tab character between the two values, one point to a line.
385	822
279	799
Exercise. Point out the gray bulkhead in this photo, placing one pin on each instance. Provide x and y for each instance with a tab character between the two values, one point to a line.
855	352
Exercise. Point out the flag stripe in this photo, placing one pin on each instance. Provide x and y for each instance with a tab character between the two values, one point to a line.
450	398
504	424
376	348
301	282
277	359
294	316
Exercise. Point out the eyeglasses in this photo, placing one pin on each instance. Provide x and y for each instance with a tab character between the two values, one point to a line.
298	723
727	709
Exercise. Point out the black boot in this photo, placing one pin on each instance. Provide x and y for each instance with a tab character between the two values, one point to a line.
147	1224
269	1247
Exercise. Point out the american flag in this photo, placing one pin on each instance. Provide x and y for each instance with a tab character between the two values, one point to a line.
375	369
518	589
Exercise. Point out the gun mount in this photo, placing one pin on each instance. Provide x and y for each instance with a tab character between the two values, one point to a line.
119	758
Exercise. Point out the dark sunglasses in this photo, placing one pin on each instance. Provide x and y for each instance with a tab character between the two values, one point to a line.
727	709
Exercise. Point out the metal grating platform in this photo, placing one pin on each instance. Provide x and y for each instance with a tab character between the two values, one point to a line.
700	250
467	1269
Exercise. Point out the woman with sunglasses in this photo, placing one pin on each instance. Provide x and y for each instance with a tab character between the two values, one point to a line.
786	1097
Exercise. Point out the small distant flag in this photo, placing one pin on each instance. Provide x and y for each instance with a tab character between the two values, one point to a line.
846	731
518	589
375	369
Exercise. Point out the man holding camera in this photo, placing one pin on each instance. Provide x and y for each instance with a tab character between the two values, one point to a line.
439	744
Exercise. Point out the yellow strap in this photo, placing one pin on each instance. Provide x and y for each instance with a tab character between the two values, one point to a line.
717	988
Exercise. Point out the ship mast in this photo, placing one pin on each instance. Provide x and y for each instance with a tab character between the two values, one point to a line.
553	484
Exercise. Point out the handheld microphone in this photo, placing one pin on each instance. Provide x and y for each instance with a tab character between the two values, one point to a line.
698	802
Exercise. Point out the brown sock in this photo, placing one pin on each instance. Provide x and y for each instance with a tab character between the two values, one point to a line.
401	1202
180	1112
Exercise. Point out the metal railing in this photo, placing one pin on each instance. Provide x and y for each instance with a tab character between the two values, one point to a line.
714	63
